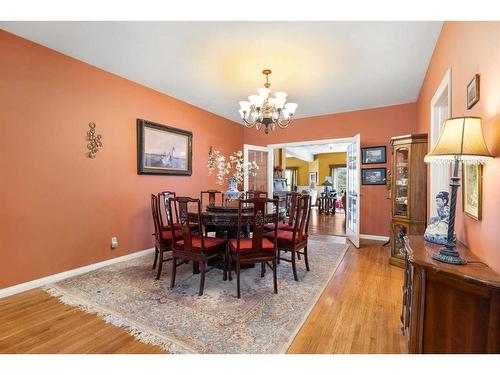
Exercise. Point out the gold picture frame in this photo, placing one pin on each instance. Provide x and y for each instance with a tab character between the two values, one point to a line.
472	190
473	91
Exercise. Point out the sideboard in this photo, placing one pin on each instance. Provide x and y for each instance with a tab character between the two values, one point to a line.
449	308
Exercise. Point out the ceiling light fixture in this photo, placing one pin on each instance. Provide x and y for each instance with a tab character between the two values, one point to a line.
263	111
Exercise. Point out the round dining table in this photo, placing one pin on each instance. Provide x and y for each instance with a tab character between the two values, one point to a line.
223	219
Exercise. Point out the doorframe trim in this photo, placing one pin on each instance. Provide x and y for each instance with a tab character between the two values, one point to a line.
444	86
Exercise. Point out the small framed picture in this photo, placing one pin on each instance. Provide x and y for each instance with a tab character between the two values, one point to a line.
473	92
373	155
373	176
472	194
163	150
313	177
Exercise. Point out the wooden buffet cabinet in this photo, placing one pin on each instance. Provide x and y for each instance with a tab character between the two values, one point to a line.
449	308
408	191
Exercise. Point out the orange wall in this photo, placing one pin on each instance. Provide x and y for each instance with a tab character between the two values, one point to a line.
376	127
469	48
59	208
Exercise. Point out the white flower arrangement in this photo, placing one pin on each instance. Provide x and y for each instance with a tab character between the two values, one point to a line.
235	166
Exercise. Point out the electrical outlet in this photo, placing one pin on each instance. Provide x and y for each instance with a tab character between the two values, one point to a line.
114	242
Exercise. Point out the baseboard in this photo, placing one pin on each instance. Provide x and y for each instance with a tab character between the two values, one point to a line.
64	275
373	237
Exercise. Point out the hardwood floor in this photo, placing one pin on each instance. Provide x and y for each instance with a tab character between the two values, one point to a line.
326	224
357	313
359	310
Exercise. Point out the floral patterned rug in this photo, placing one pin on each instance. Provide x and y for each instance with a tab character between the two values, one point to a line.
178	320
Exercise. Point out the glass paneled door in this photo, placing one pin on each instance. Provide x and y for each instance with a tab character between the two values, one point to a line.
353	189
262	178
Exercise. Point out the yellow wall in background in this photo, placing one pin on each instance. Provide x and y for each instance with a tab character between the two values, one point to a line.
321	164
325	160
302	170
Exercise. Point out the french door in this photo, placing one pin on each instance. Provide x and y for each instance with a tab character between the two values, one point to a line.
353	190
262	180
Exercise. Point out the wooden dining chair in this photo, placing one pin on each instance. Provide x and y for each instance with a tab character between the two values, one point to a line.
295	242
168	219
258	249
164	238
215	197
291	202
194	247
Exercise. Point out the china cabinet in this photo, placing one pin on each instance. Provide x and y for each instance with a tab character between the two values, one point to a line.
408	191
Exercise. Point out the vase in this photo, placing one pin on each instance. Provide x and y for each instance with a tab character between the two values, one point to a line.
232	192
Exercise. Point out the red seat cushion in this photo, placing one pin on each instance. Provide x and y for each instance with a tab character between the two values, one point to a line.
179	226
209	242
281	226
284	237
246	244
167	234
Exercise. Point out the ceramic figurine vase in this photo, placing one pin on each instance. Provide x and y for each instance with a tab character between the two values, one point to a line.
437	229
232	192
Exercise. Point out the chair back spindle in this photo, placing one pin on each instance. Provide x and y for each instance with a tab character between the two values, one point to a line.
164	198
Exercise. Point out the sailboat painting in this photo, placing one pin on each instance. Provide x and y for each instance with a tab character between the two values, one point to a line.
163	150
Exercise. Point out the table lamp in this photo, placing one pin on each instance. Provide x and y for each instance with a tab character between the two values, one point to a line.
461	141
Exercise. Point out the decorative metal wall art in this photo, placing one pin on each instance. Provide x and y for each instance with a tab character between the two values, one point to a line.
94	139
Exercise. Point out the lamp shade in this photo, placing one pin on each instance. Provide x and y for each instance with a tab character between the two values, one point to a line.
461	138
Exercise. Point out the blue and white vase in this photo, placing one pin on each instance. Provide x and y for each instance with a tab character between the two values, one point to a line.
232	192
437	229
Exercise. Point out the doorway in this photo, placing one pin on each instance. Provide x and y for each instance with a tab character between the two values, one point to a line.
311	166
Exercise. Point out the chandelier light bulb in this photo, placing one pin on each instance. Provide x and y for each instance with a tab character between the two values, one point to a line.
280	95
279	103
256	100
245	105
291	108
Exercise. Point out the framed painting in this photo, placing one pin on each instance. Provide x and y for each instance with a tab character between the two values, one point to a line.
373	176
472	194
313	177
163	150
473	92
373	155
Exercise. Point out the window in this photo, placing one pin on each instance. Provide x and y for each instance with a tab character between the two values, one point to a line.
291	178
339	175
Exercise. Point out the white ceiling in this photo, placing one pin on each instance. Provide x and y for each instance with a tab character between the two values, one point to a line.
325	67
307	152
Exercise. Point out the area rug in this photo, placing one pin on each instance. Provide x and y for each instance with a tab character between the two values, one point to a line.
178	320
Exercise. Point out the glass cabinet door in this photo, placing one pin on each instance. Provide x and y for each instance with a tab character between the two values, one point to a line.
399	231
401	182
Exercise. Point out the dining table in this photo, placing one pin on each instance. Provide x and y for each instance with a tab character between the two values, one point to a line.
223	219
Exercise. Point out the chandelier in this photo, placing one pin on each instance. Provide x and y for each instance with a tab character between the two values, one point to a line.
263	111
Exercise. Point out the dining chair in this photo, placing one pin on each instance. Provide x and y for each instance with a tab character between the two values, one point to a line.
258	249
212	197
163	237
291	202
194	247
296	240
166	218
255	194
